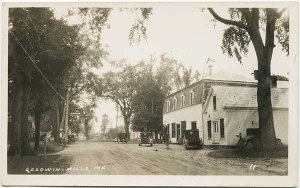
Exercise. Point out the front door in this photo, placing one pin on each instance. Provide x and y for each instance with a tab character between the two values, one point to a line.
216	132
178	133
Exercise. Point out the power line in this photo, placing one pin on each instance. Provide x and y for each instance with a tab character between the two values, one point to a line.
31	59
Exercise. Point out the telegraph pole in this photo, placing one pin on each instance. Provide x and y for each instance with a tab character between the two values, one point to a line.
117	117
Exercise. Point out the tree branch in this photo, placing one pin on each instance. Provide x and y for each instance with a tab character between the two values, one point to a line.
247	15
281	12
226	21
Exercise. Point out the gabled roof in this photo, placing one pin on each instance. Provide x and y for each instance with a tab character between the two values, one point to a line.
228	76
221	76
246	97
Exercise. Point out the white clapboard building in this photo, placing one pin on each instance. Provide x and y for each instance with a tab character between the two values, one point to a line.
221	106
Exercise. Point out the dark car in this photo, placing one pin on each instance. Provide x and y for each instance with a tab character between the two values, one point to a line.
145	138
252	140
71	138
191	139
122	137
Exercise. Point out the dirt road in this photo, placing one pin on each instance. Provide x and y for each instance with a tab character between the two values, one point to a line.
130	159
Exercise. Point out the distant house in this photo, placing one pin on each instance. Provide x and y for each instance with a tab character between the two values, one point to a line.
230	110
184	109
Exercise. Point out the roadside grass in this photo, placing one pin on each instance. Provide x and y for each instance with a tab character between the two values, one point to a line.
51	147
235	153
38	164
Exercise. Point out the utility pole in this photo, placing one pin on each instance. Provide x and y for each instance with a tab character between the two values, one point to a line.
117	117
67	117
152	105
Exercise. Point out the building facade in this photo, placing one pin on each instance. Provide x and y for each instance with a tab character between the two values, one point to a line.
198	107
230	110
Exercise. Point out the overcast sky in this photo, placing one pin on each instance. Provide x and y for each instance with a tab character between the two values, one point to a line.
186	34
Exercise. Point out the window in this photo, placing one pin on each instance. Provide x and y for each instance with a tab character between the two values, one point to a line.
183	128
194	124
216	127
174	103
182	100
168	106
173	130
209	129
192	97
222	128
215	102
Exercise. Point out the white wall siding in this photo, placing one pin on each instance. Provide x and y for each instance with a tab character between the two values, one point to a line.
189	114
238	121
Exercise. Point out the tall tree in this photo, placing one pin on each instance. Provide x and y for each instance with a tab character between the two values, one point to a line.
104	123
245	27
121	87
27	28
37	39
148	104
87	114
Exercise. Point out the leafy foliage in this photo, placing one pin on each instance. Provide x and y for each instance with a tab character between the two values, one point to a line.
235	42
148	104
282	33
138	30
236	38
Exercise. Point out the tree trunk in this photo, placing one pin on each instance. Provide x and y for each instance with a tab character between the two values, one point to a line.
127	123
156	135
21	91
265	111
264	57
61	125
37	119
86	126
56	127
66	118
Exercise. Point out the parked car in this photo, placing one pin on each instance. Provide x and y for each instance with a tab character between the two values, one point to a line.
122	137
145	138
45	136
252	140
191	139
71	138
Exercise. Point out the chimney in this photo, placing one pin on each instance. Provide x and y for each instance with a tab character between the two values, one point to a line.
273	81
209	70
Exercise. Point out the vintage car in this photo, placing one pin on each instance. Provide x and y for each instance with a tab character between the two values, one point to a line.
145	138
71	138
122	137
191	139
45	136
252	140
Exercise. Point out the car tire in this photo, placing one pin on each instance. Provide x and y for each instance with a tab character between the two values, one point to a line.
250	145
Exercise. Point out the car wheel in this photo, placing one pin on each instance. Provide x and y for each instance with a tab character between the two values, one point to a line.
250	145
